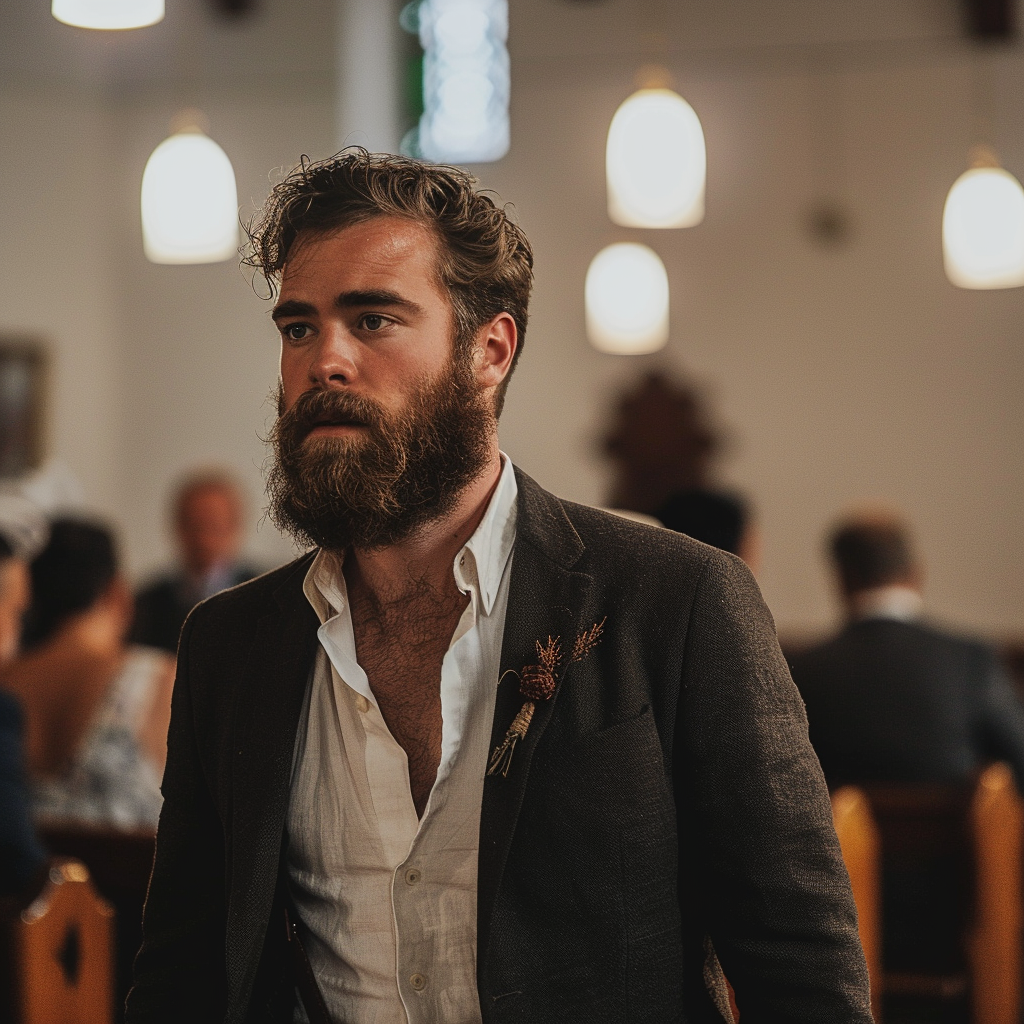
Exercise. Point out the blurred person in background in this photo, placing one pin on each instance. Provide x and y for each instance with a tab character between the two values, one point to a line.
96	708
21	856
892	697
208	516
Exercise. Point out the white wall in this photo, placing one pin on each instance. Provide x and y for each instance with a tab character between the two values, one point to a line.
841	375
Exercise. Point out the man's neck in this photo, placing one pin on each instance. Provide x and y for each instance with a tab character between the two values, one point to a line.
385	575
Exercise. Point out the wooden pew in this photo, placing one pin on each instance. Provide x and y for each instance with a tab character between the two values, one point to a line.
858	839
58	953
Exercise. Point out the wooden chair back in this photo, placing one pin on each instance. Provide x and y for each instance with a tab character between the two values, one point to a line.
858	839
951	897
59	953
119	862
994	944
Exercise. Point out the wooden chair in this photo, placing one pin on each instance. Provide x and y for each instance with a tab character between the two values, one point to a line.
951	898
119	862
994	945
58	953
858	839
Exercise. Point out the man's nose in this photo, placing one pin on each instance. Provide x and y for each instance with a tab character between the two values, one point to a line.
334	359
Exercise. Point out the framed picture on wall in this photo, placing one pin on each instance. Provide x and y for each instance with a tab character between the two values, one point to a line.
22	369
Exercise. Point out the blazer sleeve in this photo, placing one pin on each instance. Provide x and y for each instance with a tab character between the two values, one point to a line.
775	892
180	969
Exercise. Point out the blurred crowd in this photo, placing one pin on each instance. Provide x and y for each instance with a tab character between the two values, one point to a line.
87	667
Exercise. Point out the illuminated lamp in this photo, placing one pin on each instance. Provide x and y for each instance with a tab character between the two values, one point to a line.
626	297
983	227
189	199
656	162
108	14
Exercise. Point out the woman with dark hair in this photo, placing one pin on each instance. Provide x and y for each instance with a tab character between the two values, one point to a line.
96	708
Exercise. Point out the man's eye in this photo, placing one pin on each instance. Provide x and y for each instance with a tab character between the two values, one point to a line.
296	332
373	321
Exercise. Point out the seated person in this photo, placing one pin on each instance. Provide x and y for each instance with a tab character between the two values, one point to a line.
97	709
893	698
21	856
208	517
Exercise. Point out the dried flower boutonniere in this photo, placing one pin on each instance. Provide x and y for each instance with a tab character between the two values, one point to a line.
536	683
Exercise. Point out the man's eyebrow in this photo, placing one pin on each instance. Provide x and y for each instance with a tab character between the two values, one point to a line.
346	300
375	297
292	307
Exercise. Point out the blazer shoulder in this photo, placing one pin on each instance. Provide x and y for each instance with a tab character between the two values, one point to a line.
652	570
615	540
249	600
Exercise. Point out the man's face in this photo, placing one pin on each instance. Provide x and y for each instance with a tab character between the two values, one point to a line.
209	527
14	596
361	310
383	421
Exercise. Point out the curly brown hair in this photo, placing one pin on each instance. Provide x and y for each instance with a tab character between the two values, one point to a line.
485	261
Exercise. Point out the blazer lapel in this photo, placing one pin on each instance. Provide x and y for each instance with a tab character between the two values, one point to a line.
545	599
267	713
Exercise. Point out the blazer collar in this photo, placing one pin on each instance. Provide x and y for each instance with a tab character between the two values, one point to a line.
545	599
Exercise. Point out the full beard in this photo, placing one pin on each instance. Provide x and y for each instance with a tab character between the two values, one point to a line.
398	473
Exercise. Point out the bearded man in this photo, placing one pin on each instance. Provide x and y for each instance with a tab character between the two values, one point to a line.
481	754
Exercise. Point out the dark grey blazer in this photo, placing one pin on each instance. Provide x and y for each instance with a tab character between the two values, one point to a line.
666	798
896	701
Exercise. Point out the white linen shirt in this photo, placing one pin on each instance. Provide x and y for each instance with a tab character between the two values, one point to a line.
388	900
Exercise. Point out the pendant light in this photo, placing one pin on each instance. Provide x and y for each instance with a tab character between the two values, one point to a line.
189	198
655	159
626	296
108	14
983	226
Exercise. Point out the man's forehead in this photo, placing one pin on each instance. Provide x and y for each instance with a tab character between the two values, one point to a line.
380	244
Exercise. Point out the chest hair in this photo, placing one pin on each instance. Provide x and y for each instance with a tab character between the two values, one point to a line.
401	644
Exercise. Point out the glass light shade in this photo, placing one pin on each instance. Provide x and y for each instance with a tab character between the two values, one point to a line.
189	202
627	300
983	230
656	162
108	14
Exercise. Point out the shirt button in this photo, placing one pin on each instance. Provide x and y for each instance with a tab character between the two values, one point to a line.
418	982
362	703
412	876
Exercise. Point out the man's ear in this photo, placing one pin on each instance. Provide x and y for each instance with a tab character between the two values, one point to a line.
494	348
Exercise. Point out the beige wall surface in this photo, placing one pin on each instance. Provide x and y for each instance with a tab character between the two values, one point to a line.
839	374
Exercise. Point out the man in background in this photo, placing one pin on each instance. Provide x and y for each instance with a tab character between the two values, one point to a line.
893	698
21	856
208	512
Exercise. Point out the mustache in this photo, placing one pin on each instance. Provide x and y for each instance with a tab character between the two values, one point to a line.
324	407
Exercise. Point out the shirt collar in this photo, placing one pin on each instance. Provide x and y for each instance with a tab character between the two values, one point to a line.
904	604
479	565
